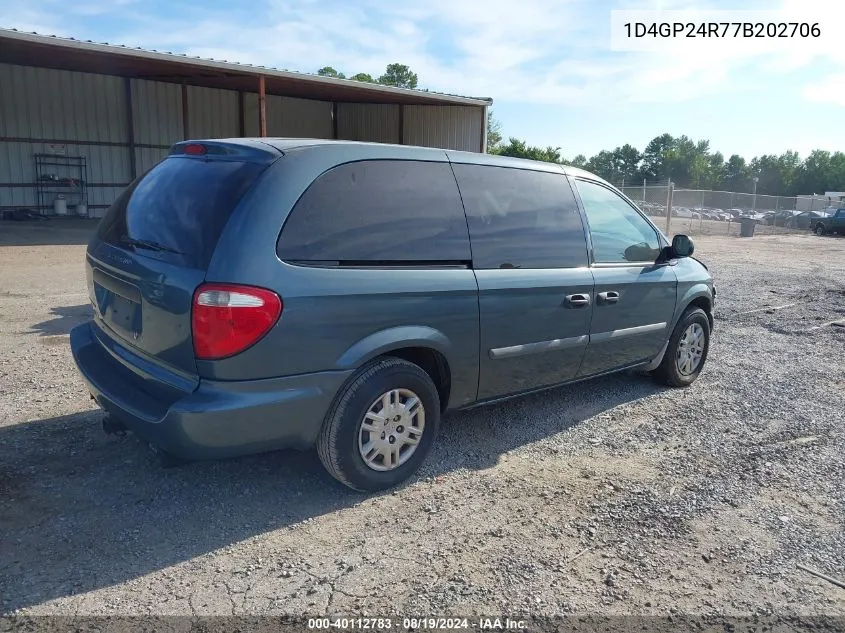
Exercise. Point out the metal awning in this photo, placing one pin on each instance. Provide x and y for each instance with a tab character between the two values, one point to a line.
32	49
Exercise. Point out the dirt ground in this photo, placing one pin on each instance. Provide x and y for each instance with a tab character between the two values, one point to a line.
610	497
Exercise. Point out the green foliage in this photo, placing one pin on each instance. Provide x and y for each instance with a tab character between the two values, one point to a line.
519	149
691	164
686	162
494	131
398	75
580	161
328	71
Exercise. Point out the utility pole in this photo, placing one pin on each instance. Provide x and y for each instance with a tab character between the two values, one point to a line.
669	208
754	199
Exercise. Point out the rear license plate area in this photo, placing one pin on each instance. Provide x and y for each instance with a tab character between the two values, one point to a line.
118	312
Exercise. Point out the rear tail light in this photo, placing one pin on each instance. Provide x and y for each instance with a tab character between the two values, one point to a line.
227	319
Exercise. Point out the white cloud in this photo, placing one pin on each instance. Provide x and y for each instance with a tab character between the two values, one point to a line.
829	90
533	51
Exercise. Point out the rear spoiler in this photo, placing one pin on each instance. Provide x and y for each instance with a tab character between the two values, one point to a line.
237	149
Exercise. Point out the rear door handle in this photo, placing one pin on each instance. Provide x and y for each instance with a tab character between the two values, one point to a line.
611	296
578	301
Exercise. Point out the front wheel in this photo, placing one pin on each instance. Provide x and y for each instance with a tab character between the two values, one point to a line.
687	350
381	427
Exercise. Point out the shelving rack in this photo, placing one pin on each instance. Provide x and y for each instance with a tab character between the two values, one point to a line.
60	175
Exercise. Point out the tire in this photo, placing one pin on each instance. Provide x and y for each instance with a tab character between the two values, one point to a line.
819	230
341	439
668	372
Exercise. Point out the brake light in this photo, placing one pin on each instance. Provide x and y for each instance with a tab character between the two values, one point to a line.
195	149
226	319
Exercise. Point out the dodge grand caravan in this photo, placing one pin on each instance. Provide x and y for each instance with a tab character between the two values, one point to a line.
255	294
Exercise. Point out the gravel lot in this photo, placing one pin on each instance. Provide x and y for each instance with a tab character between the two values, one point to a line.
609	497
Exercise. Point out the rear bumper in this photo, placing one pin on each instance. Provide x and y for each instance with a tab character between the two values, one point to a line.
217	419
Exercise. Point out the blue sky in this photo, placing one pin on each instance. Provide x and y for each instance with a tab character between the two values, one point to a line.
547	63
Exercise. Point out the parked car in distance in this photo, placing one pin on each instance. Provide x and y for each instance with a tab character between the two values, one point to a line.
807	219
257	294
834	223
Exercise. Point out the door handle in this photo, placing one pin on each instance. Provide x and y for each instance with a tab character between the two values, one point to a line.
611	296
578	301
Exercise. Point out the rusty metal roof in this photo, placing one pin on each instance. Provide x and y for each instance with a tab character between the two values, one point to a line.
67	53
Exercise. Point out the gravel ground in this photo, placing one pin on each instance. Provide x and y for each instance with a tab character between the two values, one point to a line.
609	497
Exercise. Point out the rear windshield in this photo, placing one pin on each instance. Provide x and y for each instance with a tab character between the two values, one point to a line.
178	209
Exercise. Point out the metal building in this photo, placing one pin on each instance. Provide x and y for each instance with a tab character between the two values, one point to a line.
80	120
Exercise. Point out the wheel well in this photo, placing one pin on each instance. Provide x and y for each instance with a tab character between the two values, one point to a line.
701	302
704	304
434	364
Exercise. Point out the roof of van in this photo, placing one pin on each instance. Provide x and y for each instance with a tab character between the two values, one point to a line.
294	144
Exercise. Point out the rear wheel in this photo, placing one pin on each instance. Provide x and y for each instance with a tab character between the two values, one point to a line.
820	229
687	350
381	427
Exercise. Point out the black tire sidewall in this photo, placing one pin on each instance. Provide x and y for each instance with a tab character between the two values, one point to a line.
696	315
351	416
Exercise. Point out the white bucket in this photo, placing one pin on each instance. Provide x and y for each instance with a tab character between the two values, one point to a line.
60	206
82	210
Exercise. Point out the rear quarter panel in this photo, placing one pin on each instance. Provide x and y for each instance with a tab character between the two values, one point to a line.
339	318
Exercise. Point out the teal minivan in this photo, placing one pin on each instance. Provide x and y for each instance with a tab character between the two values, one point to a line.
258	294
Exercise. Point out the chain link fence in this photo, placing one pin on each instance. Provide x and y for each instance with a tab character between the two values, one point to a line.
705	212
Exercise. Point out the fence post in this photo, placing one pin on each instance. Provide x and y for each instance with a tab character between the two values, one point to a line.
643	190
669	192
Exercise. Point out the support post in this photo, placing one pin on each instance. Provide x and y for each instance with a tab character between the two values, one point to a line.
262	108
484	130
401	124
241	115
643	190
130	128
185	118
334	120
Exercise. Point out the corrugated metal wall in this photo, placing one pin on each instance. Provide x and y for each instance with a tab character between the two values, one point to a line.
212	113
88	114
289	117
368	122
156	120
156	112
85	112
449	127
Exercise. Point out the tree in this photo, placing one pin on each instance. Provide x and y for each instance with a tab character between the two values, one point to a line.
328	71
494	131
398	75
627	163
654	157
580	161
605	165
737	177
520	149
363	77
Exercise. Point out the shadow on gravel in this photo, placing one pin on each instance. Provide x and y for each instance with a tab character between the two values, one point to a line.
55	231
80	510
64	319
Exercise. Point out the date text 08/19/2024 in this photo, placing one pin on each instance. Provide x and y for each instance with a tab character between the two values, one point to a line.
417	624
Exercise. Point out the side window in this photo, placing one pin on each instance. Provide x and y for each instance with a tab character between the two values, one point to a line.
378	211
520	218
619	233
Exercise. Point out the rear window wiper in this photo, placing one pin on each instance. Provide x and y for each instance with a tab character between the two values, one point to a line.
147	244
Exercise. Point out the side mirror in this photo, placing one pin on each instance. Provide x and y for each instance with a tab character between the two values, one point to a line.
682	246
